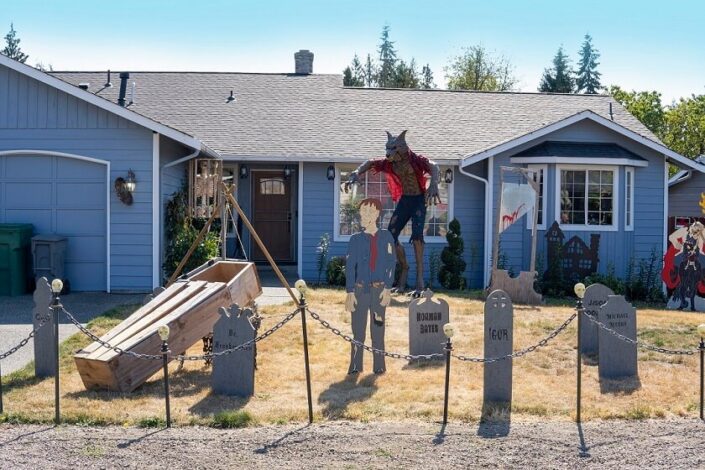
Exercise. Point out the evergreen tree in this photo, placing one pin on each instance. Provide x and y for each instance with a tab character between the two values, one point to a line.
406	76
348	77
353	75
370	72
588	78
559	78
451	273
386	76
427	77
12	48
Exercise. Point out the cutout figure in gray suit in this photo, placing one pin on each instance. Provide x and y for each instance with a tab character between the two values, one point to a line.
369	273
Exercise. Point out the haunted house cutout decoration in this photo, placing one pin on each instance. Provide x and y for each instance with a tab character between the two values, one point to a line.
577	259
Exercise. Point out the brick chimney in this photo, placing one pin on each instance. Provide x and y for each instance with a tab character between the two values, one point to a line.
303	61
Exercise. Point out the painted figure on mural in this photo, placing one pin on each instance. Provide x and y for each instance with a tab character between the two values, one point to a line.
685	277
406	174
369	273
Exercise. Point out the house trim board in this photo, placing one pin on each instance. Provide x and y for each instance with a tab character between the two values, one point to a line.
581	161
629	191
156	226
50	153
544	201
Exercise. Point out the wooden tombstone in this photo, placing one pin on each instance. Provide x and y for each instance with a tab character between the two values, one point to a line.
44	349
233	373
595	297
426	319
499	341
618	358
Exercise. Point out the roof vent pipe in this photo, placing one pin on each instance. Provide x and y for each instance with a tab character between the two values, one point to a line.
108	83
611	114
132	93
303	62
124	77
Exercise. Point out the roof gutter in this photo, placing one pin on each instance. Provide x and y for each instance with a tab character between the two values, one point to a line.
488	221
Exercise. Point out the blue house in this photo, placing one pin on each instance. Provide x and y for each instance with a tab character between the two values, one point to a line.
288	140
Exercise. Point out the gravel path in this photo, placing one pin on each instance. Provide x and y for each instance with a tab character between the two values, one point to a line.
674	443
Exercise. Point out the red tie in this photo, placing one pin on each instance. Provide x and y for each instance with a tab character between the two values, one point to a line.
373	252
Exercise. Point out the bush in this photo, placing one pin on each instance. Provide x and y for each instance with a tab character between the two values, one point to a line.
644	279
610	280
451	274
335	271
181	231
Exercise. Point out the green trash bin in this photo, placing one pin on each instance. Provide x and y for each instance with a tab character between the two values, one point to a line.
15	242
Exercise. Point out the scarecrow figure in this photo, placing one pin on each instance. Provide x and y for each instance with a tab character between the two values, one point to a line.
369	272
405	173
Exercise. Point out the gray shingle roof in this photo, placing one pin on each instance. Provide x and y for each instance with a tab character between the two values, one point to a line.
579	150
313	117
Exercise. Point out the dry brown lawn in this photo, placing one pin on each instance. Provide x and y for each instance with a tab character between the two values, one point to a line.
544	381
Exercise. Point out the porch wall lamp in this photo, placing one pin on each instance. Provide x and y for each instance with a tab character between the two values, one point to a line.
449	175
244	172
124	187
330	173
287	171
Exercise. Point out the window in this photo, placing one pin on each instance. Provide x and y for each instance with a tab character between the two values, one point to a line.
540	176
587	197
272	186
375	185
629	199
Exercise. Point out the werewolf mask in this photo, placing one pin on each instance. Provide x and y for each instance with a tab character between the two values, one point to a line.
396	147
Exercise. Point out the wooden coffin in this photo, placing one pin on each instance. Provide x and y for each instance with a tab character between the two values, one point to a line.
190	308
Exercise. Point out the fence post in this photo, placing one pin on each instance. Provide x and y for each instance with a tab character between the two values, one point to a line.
56	287
448	330
163	332
701	348
580	293
301	287
1	408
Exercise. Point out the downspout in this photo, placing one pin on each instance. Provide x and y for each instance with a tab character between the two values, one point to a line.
488	221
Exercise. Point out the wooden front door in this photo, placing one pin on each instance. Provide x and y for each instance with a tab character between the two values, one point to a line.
272	218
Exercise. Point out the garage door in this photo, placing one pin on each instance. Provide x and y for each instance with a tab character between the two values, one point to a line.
64	196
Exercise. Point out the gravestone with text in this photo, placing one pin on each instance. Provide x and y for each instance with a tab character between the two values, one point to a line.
618	358
595	297
499	341
44	349
426	319
234	373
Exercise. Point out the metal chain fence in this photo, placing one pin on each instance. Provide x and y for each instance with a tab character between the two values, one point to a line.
24	342
641	344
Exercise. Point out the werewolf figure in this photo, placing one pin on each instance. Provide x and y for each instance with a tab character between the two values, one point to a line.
405	173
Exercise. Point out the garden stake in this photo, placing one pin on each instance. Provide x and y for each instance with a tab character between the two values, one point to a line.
165	351
448	348
701	347
302	312
55	306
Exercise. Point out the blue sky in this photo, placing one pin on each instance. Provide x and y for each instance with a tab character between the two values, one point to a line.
644	44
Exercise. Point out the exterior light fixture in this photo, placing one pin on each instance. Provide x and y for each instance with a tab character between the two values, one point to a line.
330	173
579	290
449	176
57	286
124	187
287	171
244	172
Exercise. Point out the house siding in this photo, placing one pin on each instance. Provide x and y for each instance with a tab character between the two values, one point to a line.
616	248
34	116
684	198
318	214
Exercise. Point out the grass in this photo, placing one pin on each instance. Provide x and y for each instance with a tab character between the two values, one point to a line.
543	385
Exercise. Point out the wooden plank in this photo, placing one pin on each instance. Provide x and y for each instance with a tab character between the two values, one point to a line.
192	289
245	286
142	311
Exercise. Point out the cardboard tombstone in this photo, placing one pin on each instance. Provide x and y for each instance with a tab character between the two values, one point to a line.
499	341
44	348
234	373
426	319
618	358
595	297
684	268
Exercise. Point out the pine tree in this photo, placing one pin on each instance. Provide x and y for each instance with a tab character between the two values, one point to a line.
12	49
405	76
370	71
348	77
427	77
559	78
387	61
358	71
588	78
451	274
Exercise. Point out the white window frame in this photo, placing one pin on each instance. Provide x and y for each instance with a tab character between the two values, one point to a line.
629	199
529	218
615	203
337	237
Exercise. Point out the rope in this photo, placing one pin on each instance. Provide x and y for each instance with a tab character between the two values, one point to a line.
237	232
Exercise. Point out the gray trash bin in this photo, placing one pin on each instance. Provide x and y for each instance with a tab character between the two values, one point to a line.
48	255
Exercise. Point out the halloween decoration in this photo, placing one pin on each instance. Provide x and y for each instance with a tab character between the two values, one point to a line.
577	259
405	173
204	192
683	268
369	272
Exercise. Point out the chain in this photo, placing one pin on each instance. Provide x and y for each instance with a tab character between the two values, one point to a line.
359	344
43	321
521	352
677	352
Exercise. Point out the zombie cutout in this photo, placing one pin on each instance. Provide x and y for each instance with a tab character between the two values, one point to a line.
369	272
405	173
683	269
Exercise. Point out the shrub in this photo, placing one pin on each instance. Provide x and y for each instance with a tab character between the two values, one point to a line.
322	254
451	274
644	280
610	280
335	271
